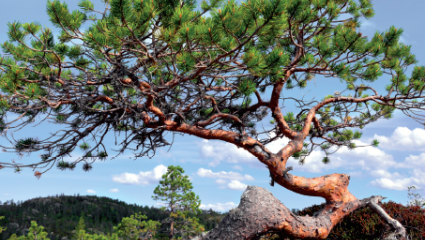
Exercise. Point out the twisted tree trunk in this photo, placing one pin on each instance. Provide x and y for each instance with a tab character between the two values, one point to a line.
259	212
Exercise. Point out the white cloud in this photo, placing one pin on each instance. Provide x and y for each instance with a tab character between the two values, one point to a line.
161	204
91	191
383	173
219	207
413	161
415	178
219	151
223	175
114	190
143	178
403	139
356	174
236	185
220	181
237	167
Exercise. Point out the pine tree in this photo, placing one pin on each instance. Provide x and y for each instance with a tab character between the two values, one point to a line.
151	67
80	226
2	228
175	192
132	227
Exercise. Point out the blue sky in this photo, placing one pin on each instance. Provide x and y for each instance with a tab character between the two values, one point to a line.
220	171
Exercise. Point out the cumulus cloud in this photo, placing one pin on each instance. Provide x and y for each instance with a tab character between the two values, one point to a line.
114	190
236	185
220	181
219	207
143	178
223	151
91	191
403	139
401	183
223	175
383	173
413	161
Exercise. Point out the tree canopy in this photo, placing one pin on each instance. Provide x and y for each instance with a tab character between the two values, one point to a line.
149	67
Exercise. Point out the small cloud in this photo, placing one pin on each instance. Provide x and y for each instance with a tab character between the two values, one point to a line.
223	151
143	178
356	174
161	204
219	207
114	190
383	173
220	181
367	24
223	175
236	185
237	167
91	191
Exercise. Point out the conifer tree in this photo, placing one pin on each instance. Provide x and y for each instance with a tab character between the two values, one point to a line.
35	232
2	228
145	68
131	228
78	229
175	192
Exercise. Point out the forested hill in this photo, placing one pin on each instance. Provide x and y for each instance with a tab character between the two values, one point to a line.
59	215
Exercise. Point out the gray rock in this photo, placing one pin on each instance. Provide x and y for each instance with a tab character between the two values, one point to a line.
199	238
14	225
25	232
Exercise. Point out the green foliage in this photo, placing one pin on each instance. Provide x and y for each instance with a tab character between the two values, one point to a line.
175	191
108	90
206	112
26	143
81	226
2	228
35	232
247	87
60	16
129	227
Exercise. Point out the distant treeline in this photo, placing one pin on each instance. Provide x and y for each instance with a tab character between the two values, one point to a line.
59	215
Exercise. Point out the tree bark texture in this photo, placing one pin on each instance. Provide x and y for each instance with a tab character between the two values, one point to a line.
259	212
